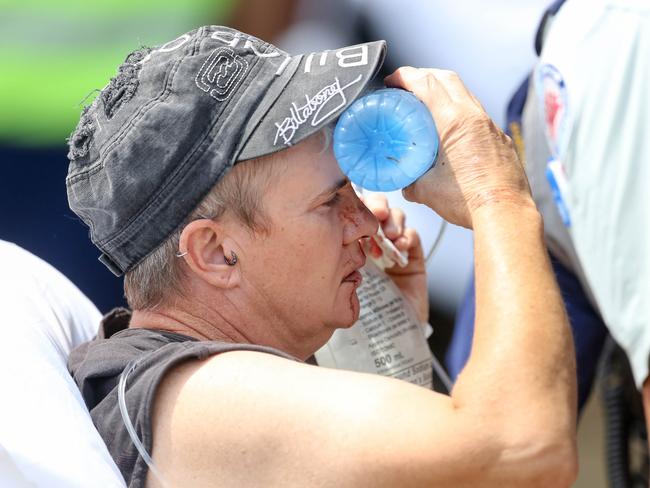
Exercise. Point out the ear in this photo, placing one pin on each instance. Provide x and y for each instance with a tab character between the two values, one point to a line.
202	241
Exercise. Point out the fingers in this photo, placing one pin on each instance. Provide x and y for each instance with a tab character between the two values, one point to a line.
393	226
453	84
409	193
378	205
410	241
422	85
446	82
474	157
437	88
391	219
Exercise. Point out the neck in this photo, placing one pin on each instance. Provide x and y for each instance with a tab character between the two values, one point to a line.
189	323
219	319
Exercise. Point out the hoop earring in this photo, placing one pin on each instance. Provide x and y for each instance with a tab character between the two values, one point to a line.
233	259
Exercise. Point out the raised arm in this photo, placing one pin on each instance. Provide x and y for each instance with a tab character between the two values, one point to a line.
522	363
252	419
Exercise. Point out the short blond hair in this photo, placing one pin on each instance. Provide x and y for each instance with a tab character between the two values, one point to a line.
239	193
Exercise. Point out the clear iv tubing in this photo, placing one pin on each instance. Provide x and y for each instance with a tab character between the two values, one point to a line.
121	400
440	371
442	374
436	241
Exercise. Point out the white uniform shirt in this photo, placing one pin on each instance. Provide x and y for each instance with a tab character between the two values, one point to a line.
594	86
47	438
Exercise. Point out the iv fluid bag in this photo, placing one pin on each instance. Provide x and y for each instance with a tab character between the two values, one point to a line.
385	140
387	339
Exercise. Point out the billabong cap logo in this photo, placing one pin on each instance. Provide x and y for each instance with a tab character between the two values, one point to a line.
313	107
221	73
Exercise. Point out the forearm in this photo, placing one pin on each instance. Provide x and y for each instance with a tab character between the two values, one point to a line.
517	393
522	362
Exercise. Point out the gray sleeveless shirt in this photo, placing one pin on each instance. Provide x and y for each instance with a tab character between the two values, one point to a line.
96	367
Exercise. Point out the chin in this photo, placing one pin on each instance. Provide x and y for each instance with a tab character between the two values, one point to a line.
349	312
348	324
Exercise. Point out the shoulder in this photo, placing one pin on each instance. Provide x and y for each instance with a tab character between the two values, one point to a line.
240	377
253	418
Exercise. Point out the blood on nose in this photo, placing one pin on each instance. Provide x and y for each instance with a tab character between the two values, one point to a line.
360	222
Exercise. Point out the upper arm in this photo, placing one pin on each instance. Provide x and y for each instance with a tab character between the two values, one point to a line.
252	419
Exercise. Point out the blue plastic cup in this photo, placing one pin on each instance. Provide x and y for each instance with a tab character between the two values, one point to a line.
386	140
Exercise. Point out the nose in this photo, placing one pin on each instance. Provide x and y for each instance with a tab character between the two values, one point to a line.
359	222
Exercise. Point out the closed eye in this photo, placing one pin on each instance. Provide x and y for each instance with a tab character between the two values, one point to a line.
333	201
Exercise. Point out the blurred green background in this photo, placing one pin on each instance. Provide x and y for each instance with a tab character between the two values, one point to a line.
55	53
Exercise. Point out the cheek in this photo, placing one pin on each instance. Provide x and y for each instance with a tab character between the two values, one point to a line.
312	253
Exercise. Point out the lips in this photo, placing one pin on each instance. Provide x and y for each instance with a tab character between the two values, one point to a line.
354	276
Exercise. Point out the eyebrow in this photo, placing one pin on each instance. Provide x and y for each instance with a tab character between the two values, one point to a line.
332	189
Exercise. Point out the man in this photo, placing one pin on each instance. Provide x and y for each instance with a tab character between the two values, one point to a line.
238	274
594	110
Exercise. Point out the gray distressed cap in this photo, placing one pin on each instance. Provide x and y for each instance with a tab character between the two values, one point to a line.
177	117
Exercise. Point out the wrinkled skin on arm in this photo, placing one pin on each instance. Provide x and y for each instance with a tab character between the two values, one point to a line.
476	165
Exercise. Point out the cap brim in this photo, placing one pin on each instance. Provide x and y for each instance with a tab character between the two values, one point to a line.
314	90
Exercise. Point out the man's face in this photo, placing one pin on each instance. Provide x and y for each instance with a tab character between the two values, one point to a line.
305	270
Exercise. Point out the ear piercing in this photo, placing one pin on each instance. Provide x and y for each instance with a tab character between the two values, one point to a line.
233	259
